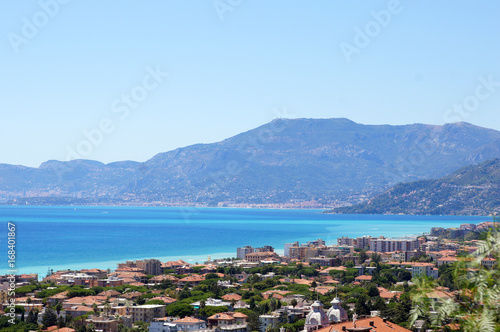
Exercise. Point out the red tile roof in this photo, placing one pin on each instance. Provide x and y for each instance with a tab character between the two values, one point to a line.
363	324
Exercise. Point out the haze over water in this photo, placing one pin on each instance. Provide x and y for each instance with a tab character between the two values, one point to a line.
100	237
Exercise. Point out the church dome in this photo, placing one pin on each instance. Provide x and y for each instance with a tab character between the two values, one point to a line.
317	318
336	313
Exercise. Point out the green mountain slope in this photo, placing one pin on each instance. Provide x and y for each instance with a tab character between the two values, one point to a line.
329	161
472	190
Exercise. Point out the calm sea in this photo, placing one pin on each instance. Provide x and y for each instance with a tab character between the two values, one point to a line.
101	237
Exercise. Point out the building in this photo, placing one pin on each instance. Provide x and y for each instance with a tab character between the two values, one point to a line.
269	320
489	262
424	269
257	257
317	318
189	324
163	324
147	312
316	243
336	314
104	324
303	252
382	244
363	242
346	241
370	324
229	321
148	266
265	249
286	252
323	261
243	251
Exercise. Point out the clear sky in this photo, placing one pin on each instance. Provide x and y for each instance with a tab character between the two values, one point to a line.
99	67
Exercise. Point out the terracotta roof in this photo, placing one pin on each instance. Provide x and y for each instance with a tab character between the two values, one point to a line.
164	277
221	316
239	315
61	295
437	294
298	281
109	293
332	282
232	296
423	264
56	328
363	278
165	299
378	326
80	308
188	320
193	278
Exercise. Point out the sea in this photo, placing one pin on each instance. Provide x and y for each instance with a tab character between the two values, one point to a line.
73	237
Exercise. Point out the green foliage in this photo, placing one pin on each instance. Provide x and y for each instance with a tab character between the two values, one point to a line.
18	325
23	290
51	292
155	302
469	190
49	318
80	292
212	310
476	308
179	310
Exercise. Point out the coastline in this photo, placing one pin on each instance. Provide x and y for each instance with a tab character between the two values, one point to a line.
249	224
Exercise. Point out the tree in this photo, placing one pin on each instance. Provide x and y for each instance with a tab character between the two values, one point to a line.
253	322
58	307
31	318
61	322
361	307
179	310
373	291
212	310
293	302
476	308
49	318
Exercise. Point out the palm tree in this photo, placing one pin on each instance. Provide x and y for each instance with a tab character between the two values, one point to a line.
107	308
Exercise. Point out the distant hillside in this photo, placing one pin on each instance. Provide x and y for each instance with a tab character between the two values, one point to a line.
325	161
472	190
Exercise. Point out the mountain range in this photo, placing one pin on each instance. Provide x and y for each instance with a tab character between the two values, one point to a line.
472	190
321	162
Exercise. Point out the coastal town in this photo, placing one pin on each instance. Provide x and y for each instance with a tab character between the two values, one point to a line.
356	284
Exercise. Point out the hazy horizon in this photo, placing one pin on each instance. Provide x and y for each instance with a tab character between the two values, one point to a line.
180	147
151	77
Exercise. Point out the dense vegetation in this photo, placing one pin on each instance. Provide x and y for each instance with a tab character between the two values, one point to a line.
472	190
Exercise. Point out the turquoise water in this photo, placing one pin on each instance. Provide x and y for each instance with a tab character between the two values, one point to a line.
101	237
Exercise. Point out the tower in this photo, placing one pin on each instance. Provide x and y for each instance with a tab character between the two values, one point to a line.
317	318
336	313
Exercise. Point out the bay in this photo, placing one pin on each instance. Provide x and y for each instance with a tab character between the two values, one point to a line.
100	237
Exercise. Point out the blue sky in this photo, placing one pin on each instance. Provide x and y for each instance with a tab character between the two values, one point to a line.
67	68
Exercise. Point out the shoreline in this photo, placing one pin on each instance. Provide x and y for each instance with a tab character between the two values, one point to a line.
345	227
